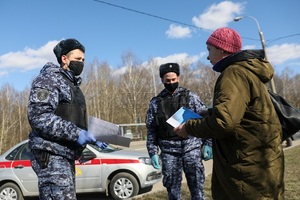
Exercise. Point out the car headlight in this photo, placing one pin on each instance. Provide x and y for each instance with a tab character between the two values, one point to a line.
145	160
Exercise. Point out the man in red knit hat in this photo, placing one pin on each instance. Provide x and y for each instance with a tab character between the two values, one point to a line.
248	160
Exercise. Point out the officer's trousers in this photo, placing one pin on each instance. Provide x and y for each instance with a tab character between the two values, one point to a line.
56	181
191	163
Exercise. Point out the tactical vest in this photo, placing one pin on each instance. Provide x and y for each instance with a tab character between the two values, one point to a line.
166	108
74	111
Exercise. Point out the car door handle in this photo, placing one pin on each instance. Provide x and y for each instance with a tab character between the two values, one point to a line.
19	167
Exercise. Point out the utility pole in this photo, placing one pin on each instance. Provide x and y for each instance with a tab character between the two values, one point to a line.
263	44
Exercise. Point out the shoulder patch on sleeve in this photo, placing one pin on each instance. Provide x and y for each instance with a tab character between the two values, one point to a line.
42	94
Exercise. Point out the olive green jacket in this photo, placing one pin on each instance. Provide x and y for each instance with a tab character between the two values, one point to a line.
248	161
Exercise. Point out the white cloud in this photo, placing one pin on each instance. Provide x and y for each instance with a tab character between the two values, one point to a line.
204	54
28	59
182	58
218	15
250	47
119	71
176	31
279	54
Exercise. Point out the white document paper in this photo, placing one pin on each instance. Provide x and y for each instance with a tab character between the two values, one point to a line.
181	116
108	132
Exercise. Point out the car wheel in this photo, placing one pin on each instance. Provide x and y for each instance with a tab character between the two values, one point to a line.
10	191
123	186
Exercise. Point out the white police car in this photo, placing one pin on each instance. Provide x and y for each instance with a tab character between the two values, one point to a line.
119	172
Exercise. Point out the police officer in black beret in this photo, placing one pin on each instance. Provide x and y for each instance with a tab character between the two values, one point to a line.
58	118
177	154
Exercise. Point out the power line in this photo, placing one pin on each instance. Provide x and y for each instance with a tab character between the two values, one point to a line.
151	15
273	40
182	23
283	37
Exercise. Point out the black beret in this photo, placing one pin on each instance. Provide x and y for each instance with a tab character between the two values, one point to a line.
65	46
169	67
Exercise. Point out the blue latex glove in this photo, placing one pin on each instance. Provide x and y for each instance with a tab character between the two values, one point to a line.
154	161
85	138
102	145
207	152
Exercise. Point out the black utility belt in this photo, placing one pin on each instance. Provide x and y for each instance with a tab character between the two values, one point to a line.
174	139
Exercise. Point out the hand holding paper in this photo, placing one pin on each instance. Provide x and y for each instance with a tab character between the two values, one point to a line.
181	116
85	138
107	132
102	145
180	130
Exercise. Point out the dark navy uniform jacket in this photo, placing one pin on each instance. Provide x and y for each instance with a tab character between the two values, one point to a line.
51	132
172	146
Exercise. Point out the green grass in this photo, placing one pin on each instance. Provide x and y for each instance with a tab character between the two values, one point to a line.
292	180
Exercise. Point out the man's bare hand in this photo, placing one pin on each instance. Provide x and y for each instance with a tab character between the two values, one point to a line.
180	130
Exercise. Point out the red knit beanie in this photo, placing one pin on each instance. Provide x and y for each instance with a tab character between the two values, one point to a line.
226	39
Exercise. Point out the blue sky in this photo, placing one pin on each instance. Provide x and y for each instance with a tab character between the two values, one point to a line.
30	30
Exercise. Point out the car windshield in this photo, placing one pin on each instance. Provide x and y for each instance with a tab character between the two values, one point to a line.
108	149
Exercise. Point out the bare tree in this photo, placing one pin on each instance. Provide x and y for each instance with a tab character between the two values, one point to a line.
287	85
11	112
22	101
153	69
100	91
124	97
202	81
131	86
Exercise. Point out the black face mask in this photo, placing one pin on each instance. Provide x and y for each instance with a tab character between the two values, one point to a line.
76	67
171	87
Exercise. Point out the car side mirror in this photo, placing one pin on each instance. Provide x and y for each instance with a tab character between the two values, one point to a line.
86	156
